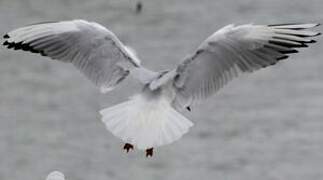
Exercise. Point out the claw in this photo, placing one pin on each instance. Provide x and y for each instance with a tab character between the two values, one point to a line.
128	147
149	152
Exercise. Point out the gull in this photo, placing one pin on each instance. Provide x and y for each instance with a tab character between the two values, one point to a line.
153	117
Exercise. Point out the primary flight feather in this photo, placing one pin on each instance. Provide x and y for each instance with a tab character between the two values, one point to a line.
152	117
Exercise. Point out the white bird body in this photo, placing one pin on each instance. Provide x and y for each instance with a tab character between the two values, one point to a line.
148	119
152	118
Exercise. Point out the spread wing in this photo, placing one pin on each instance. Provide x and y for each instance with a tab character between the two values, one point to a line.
90	47
234	50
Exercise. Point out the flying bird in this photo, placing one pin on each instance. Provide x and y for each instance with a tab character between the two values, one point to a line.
153	117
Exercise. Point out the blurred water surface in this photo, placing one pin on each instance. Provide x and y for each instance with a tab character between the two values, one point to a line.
267	125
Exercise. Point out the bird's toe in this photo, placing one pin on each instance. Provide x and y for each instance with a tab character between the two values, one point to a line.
128	147
149	152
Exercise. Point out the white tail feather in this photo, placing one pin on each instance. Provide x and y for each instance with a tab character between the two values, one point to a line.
145	123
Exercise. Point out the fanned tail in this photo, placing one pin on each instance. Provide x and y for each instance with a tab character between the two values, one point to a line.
145	124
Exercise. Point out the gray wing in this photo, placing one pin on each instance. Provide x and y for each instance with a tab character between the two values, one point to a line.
92	48
234	50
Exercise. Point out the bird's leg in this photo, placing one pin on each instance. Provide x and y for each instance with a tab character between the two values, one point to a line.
128	147
149	152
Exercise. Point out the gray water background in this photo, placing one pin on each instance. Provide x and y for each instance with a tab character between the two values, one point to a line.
267	125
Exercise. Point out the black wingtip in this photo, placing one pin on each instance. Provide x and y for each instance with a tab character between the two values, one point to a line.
284	24
291	24
289	52
282	58
11	45
294	28
189	108
312	41
5	43
24	47
303	45
18	46
6	36
287	44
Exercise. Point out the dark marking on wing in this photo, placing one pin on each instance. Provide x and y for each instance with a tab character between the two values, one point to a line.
282	58
298	35
23	46
189	108
286	44
284	24
291	24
